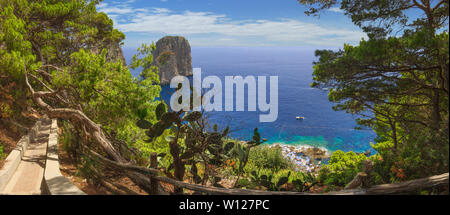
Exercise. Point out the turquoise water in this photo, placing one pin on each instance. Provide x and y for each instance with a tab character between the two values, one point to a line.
321	127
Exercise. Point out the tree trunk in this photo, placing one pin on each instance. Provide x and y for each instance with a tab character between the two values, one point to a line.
178	164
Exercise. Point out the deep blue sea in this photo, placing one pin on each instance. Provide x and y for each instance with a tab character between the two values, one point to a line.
321	127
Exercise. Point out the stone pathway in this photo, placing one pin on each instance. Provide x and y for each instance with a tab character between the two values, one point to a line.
27	179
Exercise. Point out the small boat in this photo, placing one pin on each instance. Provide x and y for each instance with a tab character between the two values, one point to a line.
300	117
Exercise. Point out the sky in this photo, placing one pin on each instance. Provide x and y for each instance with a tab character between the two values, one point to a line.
230	23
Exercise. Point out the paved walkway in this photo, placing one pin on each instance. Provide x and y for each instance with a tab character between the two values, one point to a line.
29	174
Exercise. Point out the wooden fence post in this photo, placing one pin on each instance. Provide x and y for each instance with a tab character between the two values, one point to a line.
153	181
362	178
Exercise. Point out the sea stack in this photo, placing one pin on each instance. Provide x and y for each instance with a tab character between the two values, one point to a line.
115	53
173	57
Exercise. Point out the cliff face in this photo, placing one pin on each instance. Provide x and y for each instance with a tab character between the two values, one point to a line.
115	52
172	57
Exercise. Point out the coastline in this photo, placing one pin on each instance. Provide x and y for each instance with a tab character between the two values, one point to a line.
307	158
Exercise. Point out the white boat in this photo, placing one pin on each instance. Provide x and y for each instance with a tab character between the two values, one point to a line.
300	117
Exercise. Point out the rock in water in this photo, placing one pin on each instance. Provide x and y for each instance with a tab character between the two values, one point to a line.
173	57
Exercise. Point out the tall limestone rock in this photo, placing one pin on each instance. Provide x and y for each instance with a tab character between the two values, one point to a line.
115	52
173	57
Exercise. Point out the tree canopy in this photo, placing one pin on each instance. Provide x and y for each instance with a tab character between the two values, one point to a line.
397	79
72	53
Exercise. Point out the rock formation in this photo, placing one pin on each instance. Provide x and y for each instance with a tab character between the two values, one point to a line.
115	52
172	57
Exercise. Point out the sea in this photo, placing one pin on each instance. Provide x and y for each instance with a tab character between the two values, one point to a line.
321	127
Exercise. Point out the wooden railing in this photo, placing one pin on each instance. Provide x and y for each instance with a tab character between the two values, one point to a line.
401	188
151	175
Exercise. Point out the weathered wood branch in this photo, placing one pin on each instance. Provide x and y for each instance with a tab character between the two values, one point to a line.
73	115
439	4
122	166
401	188
90	128
110	185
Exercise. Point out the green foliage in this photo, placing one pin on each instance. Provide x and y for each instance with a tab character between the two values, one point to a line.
398	84
282	180
5	110
144	60
268	169
379	18
15	52
86	168
269	158
411	160
341	168
190	143
2	153
267	181
303	182
75	50
242	152
68	140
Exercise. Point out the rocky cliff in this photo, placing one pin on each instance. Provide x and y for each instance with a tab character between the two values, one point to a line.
115	52
173	57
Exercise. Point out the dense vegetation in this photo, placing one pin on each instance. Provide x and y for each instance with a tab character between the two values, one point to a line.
62	58
397	83
71	47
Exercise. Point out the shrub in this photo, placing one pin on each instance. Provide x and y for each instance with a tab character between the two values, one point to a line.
2	153
86	168
411	159
70	141
279	181
269	158
5	110
342	168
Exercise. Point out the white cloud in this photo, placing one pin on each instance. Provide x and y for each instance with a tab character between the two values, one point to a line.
336	10
116	10
161	10
123	8
220	28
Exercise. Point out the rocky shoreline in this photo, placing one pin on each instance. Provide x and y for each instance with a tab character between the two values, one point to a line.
306	158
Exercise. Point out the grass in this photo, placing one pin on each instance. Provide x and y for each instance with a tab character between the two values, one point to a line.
2	155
